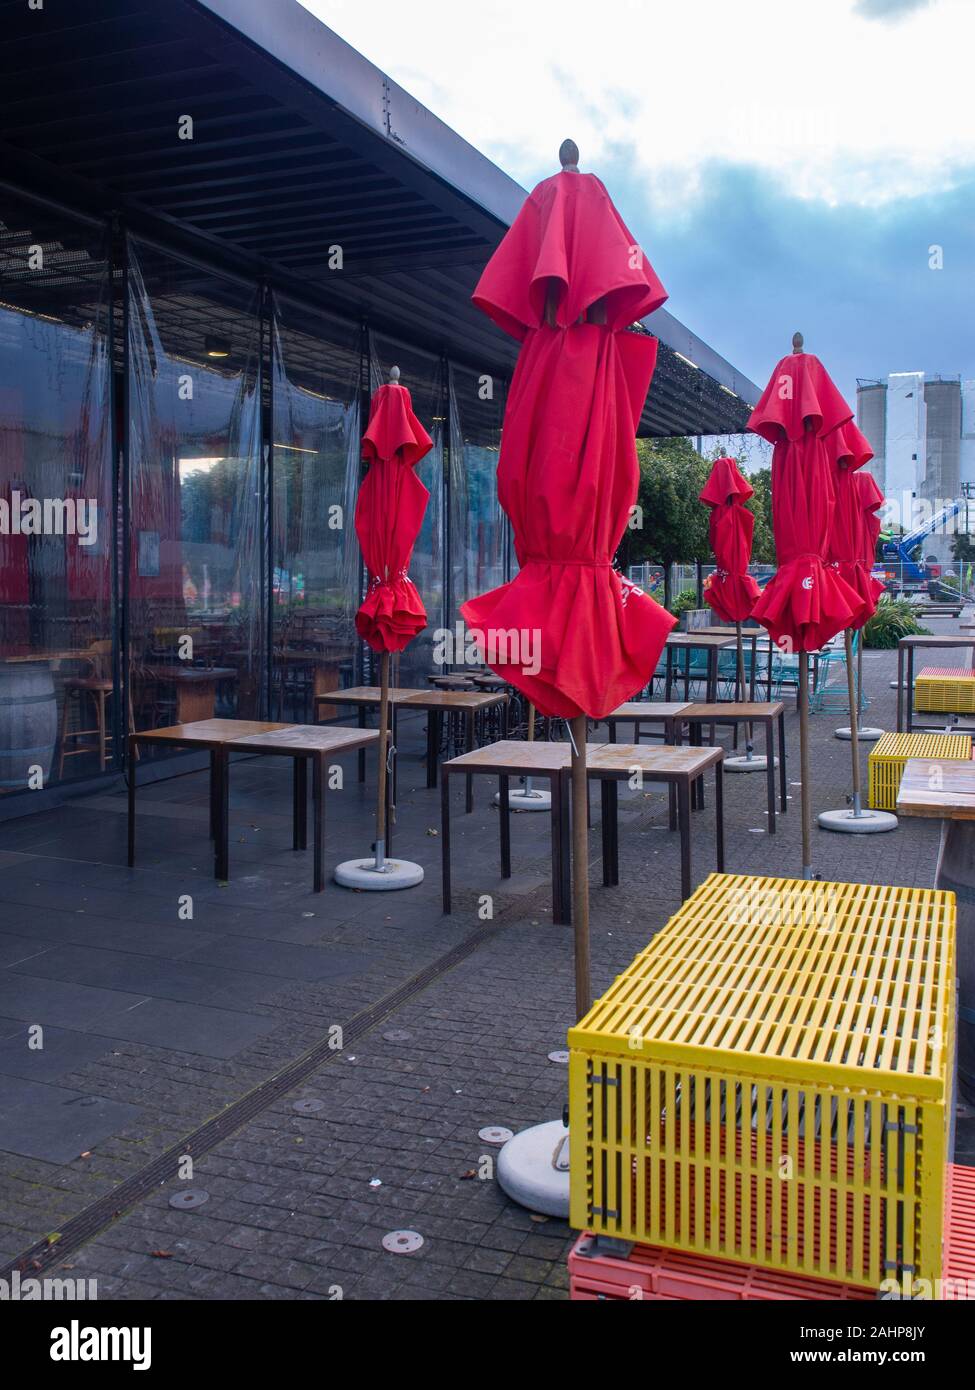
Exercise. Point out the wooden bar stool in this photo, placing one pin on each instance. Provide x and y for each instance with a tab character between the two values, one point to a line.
97	687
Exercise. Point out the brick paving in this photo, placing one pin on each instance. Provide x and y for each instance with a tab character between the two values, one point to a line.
298	1203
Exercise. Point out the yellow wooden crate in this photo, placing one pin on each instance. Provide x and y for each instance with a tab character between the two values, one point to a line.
945	690
770	1081
888	755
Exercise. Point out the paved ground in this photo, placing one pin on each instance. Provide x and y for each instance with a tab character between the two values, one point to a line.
154	1022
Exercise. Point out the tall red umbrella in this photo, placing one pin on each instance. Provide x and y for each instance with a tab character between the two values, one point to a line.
807	601
730	590
568	280
850	450
388	517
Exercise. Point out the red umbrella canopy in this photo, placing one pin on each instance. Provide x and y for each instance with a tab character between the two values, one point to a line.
731	591
807	601
586	638
850	450
388	517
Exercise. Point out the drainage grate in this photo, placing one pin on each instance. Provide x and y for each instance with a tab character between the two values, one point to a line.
94	1218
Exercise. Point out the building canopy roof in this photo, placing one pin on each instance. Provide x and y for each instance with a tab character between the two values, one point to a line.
298	144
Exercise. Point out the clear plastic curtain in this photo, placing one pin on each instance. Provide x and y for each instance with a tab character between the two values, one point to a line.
478	527
316	432
57	621
423	375
196	562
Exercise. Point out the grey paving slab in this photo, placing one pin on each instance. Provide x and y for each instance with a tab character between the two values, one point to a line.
67	1005
278	959
16	949
80	929
188	1027
62	1050
149	975
54	1124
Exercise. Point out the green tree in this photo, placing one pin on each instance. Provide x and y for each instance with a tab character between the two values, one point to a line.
674	524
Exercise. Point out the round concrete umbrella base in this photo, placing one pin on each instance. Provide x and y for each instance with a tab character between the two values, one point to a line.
867	735
533	1169
362	873
893	685
526	800
866	823
746	764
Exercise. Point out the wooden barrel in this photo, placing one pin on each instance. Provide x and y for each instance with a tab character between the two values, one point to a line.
956	874
28	722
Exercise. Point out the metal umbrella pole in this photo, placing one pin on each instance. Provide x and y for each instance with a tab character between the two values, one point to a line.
854	820
866	733
529	797
748	763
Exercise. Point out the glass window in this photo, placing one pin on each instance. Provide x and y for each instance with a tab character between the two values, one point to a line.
316	441
478	527
57	627
197	576
423	375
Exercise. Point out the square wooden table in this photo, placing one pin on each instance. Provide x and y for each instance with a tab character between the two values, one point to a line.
196	688
305	743
735	712
469	703
640	712
220	737
906	648
607	763
701	640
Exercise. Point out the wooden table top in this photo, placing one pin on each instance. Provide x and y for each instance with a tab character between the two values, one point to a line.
724	630
927	640
191	675
305	738
602	759
702	638
734	709
420	699
952	795
208	733
645	709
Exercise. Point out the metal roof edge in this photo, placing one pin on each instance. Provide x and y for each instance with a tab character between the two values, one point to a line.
302	43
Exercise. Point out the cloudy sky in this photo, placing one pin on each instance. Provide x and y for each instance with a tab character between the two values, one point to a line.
784	165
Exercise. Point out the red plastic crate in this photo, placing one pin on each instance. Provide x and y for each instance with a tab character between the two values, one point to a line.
651	1272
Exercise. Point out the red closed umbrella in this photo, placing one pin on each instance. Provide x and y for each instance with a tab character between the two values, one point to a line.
807	601
870	499
567	280
388	517
730	590
850	450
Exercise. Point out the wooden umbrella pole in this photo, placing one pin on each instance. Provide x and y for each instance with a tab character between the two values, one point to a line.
805	800
742	687
383	744
531	739
580	865
851	685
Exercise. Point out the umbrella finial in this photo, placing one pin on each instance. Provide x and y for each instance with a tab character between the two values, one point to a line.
569	157
797	341
394	376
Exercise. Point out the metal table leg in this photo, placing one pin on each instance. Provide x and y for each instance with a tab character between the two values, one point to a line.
131	771
362	751
559	909
504	820
299	792
719	814
445	839
684	820
900	688
770	773
469	748
609	807
222	841
318	796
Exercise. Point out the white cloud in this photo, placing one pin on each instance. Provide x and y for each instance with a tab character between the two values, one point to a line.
839	107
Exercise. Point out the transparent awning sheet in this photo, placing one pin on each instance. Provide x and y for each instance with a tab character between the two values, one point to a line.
197	573
316	367
57	622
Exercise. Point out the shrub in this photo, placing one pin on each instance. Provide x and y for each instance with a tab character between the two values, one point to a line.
893	620
687	598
